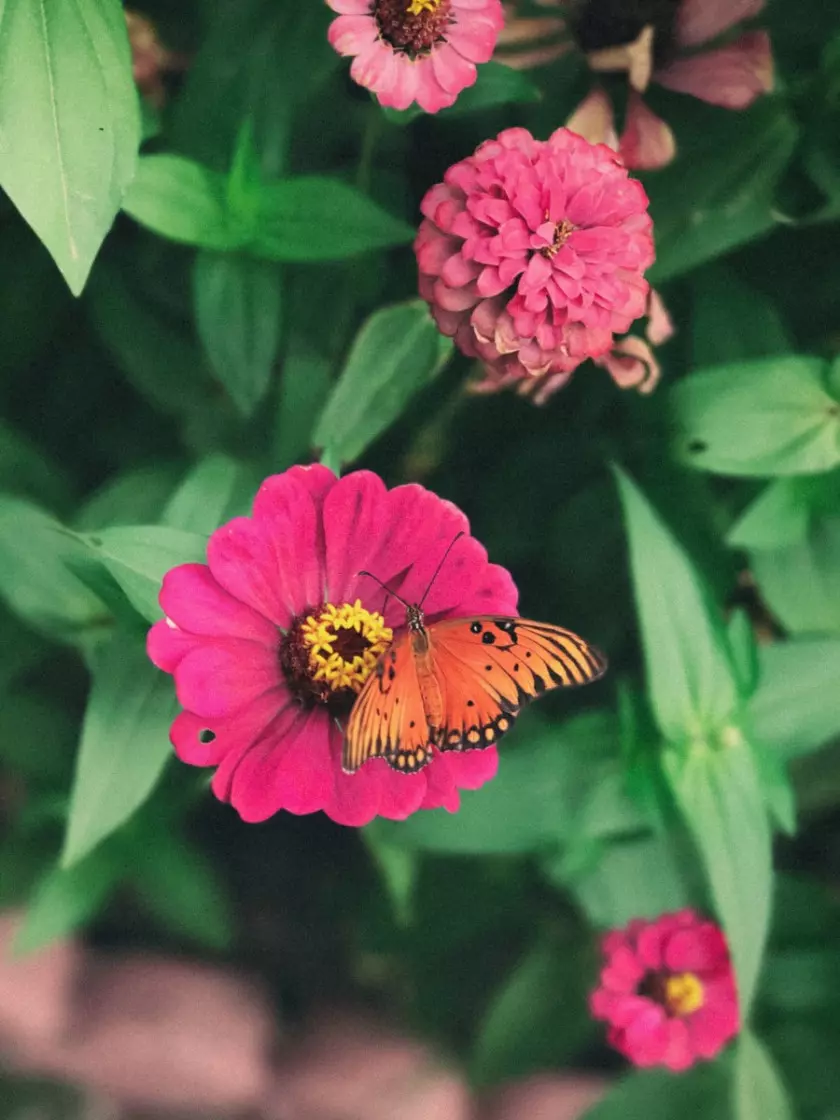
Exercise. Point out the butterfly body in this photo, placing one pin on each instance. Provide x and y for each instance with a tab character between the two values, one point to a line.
458	685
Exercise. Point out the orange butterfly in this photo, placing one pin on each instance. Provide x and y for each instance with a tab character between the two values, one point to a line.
458	685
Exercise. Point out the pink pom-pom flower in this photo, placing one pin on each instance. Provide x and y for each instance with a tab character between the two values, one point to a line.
667	990
416	50
532	254
271	640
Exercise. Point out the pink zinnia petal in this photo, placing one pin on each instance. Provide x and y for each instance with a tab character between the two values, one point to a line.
698	21
732	76
594	120
647	142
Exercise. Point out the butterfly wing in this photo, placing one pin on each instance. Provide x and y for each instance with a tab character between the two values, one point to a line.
487	668
388	718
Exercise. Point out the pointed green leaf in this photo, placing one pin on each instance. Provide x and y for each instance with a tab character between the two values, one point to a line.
690	676
304	387
397	351
66	898
718	789
70	123
200	503
796	708
700	1093
238	309
184	201
139	556
778	517
801	582
316	218
765	417
124	746
758	1091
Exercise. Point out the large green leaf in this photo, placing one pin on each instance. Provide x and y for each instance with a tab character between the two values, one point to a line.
204	497
396	352
238	312
776	518
139	556
758	1092
690	676
764	417
35	577
316	218
545	774
70	123
124	746
698	1094
796	708
184	201
719	192
801	583
718	788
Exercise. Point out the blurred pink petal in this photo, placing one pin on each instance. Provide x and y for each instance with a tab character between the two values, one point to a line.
732	77
660	325
545	1097
350	1068
35	990
647	142
632	364
593	119
636	58
698	21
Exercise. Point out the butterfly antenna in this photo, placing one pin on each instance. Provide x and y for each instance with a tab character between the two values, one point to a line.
385	588
451	545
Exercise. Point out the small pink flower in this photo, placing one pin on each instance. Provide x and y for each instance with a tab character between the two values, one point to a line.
667	990
532	253
270	641
416	50
150	60
731	75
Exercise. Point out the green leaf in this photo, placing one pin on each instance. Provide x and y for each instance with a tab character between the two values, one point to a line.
796	708
200	503
304	386
316	218
690	677
698	1094
67	898
731	320
238	313
398	868
71	125
135	496
719	192
139	556
717	786
778	517
183	201
620	886
36	737
744	649
35	578
181	887
528	1026
765	417
546	773
758	1092
801	583
496	84
397	351
124	746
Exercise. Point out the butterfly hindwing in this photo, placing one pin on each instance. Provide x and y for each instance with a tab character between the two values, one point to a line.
487	668
388	719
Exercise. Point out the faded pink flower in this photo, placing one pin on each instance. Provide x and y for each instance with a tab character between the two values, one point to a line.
731	75
416	50
150	59
532	254
271	640
667	990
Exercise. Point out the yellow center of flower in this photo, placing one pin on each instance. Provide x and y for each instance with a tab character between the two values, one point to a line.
416	7
344	643
683	993
562	232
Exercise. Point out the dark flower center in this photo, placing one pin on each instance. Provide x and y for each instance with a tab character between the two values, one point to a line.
328	653
413	26
611	23
562	232
680	993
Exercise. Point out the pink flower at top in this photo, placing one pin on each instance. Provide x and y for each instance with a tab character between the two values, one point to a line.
731	75
271	640
416	50
667	990
532	253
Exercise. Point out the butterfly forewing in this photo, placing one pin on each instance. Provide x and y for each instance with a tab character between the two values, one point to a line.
388	718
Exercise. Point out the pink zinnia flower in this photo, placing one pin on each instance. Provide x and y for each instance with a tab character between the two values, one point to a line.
416	50
667	990
532	253
270	641
731	75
